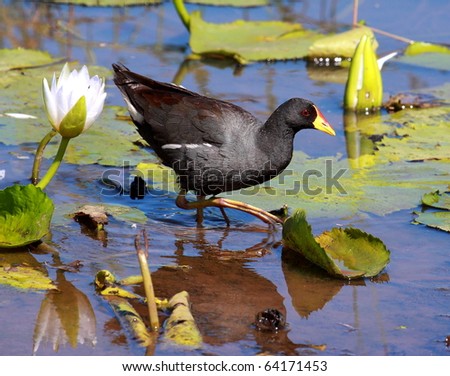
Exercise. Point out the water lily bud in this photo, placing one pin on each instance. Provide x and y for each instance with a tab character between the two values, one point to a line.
364	89
73	101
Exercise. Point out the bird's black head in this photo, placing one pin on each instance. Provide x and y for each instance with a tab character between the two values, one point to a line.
301	114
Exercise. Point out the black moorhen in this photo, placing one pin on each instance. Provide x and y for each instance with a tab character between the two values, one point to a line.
214	146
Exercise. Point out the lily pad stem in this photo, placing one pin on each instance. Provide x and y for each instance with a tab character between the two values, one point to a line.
182	12
55	165
39	155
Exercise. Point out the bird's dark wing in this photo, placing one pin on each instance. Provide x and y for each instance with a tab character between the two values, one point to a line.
169	114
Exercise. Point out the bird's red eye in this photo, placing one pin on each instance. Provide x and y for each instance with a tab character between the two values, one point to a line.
305	113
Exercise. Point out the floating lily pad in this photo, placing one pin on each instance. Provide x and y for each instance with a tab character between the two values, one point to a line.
159	176
345	253
437	200
436	56
417	48
25	215
25	277
248	41
231	3
342	44
435	219
20	58
107	3
21	270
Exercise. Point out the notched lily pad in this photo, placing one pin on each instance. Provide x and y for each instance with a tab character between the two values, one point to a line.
437	200
345	253
341	45
231	3
249	41
20	58
25	277
21	270
108	3
439	219
429	55
25	215
435	219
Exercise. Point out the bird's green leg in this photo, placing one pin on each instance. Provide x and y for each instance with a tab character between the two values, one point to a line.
222	203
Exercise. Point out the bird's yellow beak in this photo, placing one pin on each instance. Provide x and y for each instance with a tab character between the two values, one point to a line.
321	124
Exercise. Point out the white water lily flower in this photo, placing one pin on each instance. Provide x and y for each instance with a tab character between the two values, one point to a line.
74	101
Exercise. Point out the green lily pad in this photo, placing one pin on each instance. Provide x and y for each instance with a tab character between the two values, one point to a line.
342	44
249	41
428	55
25	215
107	3
345	253
417	48
231	3
20	58
437	200
126	213
25	277
19	269
435	219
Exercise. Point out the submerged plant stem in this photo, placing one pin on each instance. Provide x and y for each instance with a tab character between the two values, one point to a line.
148	286
355	12
55	165
39	154
390	35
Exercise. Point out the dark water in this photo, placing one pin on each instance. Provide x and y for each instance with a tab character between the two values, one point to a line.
405	311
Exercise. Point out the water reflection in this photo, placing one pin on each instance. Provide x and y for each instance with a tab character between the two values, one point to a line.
361	132
309	287
65	317
67	31
226	295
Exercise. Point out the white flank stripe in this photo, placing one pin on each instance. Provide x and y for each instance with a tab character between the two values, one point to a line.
171	146
187	146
